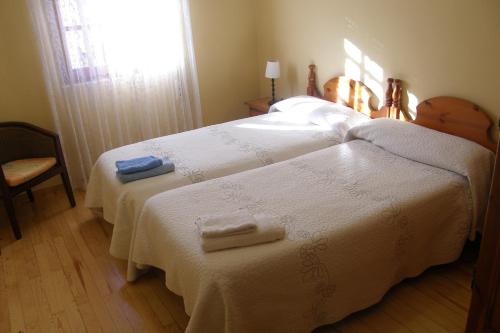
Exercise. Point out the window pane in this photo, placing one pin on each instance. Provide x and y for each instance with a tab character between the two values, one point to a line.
78	55
123	37
69	13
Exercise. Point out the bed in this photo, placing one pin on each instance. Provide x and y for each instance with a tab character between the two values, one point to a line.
232	147
393	200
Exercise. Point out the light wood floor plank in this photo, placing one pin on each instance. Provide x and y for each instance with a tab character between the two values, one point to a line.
4	310
351	324
71	267
90	319
443	288
26	296
379	321
172	302
119	316
61	278
153	299
12	265
46	321
433	308
416	321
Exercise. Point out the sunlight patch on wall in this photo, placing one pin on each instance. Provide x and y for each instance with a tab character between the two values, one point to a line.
353	51
376	87
352	70
374	69
359	65
412	104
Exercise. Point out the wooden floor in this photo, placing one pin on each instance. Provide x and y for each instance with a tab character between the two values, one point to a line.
60	278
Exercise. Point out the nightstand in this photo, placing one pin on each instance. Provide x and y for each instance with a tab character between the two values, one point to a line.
258	107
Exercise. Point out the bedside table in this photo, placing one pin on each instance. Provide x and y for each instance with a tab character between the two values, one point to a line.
258	107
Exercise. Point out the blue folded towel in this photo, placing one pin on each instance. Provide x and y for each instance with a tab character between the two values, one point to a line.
137	164
166	167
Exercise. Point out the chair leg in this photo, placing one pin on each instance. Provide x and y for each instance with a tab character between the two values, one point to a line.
9	206
67	187
30	195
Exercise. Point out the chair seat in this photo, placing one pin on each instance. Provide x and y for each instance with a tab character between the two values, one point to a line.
20	171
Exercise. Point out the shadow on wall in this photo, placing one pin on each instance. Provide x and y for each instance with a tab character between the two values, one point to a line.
359	66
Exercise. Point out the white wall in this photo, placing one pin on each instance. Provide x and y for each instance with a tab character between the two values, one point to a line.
438	47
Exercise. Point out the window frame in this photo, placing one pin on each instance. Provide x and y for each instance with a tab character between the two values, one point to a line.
72	75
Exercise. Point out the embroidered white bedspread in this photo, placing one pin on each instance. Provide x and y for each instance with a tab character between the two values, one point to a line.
359	219
208	153
438	149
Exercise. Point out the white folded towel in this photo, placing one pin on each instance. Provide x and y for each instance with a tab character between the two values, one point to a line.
236	223
268	230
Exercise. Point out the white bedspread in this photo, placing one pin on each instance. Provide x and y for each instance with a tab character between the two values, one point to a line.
359	219
209	153
438	149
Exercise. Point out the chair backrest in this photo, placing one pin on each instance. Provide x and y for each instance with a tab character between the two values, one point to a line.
22	140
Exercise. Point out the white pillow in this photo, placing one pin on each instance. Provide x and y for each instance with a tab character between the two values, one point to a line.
334	116
298	104
330	116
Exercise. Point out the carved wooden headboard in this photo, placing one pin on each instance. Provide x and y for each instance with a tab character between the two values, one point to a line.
357	95
457	117
450	115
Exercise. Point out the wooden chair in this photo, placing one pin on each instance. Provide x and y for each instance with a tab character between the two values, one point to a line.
29	155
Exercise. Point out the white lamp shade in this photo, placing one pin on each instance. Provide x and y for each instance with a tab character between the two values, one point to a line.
273	69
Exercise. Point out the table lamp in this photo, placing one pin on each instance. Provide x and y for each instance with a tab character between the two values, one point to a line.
273	72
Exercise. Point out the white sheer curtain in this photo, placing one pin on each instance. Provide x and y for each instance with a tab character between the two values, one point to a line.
117	72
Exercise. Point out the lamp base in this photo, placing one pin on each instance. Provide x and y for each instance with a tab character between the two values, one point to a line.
273	99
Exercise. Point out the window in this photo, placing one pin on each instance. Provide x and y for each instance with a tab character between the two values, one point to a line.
81	56
110	39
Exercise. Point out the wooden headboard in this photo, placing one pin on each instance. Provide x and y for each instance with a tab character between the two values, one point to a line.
357	95
457	117
450	115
